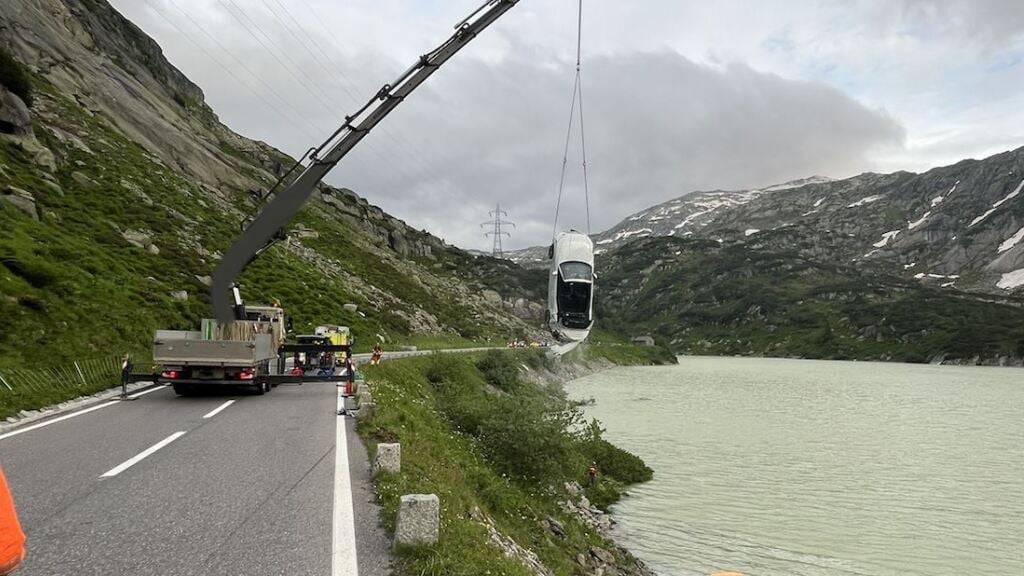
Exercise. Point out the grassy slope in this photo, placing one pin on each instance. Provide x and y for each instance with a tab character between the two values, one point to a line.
705	298
478	435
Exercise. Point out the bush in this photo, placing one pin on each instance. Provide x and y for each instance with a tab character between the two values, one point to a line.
528	438
612	460
500	369
14	77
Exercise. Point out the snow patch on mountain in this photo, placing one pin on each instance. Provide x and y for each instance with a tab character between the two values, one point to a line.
886	238
866	200
1011	241
995	206
916	223
1011	280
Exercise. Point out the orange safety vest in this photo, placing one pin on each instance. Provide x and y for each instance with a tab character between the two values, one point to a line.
12	539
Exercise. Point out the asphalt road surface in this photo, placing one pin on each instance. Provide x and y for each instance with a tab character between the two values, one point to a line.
232	484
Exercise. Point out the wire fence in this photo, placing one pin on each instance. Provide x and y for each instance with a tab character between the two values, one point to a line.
22	389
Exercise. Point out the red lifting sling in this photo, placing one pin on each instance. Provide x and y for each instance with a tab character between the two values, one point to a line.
12	539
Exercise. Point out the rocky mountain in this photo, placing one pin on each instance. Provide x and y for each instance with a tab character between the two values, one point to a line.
678	217
956	226
121	188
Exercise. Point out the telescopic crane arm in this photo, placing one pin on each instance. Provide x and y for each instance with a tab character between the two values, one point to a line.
261	233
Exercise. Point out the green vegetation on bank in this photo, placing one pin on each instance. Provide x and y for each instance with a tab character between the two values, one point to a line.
480	435
700	297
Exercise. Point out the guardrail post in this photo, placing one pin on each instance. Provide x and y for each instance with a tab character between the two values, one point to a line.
80	375
419	519
388	459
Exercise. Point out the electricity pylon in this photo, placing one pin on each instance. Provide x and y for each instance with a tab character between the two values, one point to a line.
497	232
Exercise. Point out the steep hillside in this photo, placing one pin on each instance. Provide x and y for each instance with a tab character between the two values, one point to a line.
705	297
121	188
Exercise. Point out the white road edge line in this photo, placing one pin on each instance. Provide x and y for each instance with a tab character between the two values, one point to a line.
218	409
55	420
343	533
141	455
148	391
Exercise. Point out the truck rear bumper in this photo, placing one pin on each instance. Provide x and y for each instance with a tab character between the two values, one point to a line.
200	382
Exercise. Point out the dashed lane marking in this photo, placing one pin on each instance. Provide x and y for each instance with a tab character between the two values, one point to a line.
218	409
141	455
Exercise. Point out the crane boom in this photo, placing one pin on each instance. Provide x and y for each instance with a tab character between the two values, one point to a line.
280	210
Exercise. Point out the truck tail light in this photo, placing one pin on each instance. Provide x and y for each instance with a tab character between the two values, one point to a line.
171	374
247	374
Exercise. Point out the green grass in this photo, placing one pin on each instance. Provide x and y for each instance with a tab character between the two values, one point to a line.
478	435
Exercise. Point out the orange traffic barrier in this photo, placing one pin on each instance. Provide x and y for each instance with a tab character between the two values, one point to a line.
12	539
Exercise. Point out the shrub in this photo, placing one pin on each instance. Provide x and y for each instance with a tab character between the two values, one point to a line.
612	460
500	369
14	77
528	438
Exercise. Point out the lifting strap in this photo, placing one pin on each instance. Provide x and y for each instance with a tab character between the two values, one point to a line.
575	109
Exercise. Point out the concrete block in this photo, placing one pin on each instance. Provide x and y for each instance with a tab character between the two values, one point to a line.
351	403
419	519
389	458
366	411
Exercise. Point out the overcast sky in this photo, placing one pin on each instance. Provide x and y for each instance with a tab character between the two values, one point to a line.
679	95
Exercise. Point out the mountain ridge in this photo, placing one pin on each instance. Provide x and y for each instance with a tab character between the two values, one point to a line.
910	225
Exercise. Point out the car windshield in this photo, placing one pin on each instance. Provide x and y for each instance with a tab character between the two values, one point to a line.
573	271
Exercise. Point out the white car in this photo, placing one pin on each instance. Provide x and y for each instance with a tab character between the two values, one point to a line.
570	312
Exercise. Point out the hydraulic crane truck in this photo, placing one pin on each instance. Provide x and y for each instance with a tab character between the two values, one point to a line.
242	352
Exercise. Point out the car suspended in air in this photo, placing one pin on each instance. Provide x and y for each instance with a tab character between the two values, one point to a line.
570	312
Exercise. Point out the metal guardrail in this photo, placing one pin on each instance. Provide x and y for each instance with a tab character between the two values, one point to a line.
76	378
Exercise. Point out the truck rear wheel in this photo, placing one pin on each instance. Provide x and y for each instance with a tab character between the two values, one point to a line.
183	389
261	388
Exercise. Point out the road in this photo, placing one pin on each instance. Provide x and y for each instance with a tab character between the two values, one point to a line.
216	485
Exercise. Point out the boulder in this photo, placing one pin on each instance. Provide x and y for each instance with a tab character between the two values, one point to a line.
21	200
602	555
137	238
419	519
15	117
82	179
492	297
350	307
180	295
388	459
205	280
44	158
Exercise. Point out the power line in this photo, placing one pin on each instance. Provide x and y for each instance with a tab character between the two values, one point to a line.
324	103
217	61
333	68
241	64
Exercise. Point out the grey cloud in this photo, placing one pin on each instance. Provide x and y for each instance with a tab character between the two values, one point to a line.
658	125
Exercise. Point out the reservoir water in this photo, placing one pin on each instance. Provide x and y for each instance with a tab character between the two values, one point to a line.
795	467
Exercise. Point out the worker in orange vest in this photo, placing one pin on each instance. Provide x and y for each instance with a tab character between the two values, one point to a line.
12	539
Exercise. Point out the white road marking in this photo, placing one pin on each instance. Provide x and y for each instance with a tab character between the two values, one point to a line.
141	455
55	420
218	409
343	538
148	391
